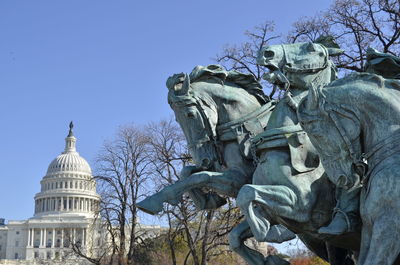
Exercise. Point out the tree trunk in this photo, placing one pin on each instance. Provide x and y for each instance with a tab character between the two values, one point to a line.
204	242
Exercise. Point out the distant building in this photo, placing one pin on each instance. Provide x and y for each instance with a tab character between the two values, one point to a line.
64	211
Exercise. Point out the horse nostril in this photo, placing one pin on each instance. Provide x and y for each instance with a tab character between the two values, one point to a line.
269	54
205	163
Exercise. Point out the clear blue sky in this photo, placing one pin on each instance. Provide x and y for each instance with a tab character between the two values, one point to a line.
102	64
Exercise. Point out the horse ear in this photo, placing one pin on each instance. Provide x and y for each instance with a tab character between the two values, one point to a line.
186	85
310	47
312	98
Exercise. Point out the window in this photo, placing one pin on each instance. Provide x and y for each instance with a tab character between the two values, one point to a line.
17	232
36	254
16	243
16	256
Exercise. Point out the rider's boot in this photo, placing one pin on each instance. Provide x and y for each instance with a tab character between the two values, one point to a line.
345	215
342	223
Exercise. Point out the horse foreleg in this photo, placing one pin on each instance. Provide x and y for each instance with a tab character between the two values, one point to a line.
226	183
275	200
242	232
236	242
201	199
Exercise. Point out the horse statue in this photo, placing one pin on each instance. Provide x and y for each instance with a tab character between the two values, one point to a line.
219	112
290	185
354	123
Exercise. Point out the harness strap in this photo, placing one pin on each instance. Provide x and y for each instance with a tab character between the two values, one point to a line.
252	123
384	154
344	137
393	138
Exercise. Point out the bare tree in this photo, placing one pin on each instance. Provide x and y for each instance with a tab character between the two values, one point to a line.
243	57
355	25
123	170
204	231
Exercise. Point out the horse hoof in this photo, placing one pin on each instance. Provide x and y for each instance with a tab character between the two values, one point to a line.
279	234
275	260
214	201
150	206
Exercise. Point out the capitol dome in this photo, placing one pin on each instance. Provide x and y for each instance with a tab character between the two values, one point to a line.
69	161
68	185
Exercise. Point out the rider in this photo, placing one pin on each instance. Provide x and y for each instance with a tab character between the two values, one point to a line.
345	215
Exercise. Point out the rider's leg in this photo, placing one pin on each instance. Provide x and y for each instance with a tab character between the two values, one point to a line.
380	214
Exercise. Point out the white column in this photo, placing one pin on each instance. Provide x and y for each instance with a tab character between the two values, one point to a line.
74	237
62	237
41	238
33	236
54	238
29	237
45	237
67	203
83	236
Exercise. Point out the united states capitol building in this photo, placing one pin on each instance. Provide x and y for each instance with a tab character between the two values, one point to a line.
64	214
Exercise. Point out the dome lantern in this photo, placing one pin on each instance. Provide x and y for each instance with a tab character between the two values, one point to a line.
70	141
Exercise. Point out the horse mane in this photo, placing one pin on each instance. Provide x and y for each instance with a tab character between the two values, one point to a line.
218	73
374	81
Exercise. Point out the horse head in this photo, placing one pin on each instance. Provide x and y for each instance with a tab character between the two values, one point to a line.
335	132
209	97
197	118
298	65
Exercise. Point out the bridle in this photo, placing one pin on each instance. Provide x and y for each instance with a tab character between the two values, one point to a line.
249	125
210	136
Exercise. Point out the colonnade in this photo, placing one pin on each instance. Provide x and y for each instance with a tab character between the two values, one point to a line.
56	237
65	203
70	184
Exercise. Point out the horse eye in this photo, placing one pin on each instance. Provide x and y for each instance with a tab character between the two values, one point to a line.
190	115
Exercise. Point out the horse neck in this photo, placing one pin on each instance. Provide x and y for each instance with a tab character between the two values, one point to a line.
234	103
376	109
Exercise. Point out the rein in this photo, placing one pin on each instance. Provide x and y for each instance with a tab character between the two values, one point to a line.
252	123
377	154
240	129
393	140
